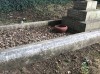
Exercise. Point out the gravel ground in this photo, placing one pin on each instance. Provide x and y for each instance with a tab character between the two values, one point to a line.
83	61
15	37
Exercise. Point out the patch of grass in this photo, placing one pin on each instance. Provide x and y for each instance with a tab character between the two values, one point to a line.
85	68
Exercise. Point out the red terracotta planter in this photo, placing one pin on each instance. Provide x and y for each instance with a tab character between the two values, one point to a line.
60	28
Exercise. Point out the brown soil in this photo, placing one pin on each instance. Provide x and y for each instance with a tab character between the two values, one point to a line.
15	37
38	13
83	61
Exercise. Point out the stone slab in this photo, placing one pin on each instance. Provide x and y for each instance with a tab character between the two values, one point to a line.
84	15
48	48
73	24
77	14
31	24
81	26
85	5
92	25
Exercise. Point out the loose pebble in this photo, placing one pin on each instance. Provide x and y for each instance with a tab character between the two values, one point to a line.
19	36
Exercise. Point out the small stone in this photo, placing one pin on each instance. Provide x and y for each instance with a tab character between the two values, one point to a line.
20	36
69	72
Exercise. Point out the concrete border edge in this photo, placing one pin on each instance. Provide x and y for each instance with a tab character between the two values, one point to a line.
51	47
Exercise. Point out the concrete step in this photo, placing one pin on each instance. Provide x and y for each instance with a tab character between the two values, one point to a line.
85	5
92	25
81	26
84	15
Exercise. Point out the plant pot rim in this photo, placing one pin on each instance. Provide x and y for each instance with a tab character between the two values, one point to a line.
61	28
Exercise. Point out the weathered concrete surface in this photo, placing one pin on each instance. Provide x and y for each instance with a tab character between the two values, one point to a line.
84	15
51	47
92	25
85	5
35	24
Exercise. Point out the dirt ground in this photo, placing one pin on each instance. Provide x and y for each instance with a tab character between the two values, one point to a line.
20	36
38	13
83	61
